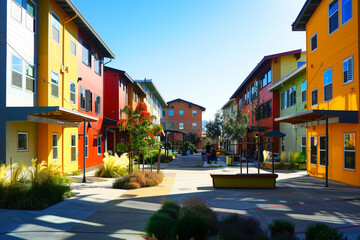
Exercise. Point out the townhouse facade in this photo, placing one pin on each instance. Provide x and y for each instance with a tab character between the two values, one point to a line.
331	119
183	116
262	106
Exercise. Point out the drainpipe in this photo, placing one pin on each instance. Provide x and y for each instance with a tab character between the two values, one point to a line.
63	83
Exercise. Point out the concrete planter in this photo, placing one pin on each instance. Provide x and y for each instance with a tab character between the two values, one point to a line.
264	180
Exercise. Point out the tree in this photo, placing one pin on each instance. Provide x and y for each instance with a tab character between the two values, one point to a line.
235	127
139	125
214	127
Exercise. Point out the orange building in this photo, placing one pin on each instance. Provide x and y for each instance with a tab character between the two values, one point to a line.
332	39
183	116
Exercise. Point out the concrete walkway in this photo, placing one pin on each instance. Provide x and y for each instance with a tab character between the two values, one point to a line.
100	212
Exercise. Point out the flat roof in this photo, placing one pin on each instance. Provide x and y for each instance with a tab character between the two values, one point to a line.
305	14
150	84
287	77
71	10
179	99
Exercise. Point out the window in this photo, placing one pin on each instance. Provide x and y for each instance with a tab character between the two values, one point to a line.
55	29
82	98
240	104
73	148
30	17
29	78
333	16
164	113
86	146
181	113
16	71
30	8
313	149
72	47
181	125
72	92
98	143
263	111
322	150
349	150
171	113
55	146
303	91
86	55
88	100
97	105
268	140
164	125
288	98
346	11
97	65
194	125
135	96
16	10
313	42
194	113
328	85
283	144
348	70
171	125
303	145
54	84
314	97
22	142
120	83
300	63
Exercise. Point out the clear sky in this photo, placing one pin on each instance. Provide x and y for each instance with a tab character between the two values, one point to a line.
198	50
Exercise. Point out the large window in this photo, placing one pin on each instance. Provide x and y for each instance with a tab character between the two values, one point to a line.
16	71
181	113
55	29
288	98
72	47
348	70
303	145
97	65
349	150
181	125
313	42
54	84
171	113
303	91
73	147
194	125
86	55
163	113
314	97
194	113
264	79
72	92
346	11
82	98
86	146
98	143
22	142
263	111
328	85
333	16
97	105
55	147
29	78
322	150
313	150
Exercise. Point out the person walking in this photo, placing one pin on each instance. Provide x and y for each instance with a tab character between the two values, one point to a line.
208	152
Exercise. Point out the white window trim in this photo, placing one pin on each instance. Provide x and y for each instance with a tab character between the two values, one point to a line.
181	123
55	84
73	93
349	169
193	126
73	135
342	24
53	12
317	42
21	13
325	101
71	41
320	150
97	146
22	73
27	142
316	89
314	164
332	15
192	113
57	147
346	59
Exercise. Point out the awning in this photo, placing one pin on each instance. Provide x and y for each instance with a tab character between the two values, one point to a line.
317	117
174	131
50	115
110	123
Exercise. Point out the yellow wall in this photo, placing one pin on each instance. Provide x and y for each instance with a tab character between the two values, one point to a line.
332	50
284	65
12	129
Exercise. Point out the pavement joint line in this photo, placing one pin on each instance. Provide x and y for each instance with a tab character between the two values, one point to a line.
253	195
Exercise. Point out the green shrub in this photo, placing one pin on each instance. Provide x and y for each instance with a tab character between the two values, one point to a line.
280	227
321	231
171	208
160	225
190	225
234	227
302	167
113	167
138	179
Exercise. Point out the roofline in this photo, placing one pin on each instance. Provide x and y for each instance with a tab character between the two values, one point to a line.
287	77
259	65
179	99
109	53
164	104
228	103
304	9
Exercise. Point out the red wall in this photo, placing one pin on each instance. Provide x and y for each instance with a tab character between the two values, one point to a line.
111	86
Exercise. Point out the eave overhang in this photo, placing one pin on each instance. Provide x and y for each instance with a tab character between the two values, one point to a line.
294	73
305	14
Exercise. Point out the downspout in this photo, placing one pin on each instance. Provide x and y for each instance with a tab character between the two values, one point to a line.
63	70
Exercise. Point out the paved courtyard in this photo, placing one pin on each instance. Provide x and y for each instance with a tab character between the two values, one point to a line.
100	212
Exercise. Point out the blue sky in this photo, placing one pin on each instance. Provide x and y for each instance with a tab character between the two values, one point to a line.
198	50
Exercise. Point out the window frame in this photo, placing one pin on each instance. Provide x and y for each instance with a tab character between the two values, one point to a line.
86	46
342	11
316	160
192	114
352	70
72	147
34	17
302	91
74	93
171	113
181	125
333	15
98	107
317	97
181	113
27	141
54	15
321	150
98	145
57	146
53	83
302	146
97	69
317	42
327	70
30	77
194	124
351	169
74	44
12	69
171	125
82	99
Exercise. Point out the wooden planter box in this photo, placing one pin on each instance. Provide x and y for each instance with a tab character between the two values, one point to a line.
264	180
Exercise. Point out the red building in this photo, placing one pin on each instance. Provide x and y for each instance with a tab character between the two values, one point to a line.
183	116
91	97
120	90
262	106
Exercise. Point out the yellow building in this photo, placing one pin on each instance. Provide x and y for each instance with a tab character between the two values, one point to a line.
332	37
